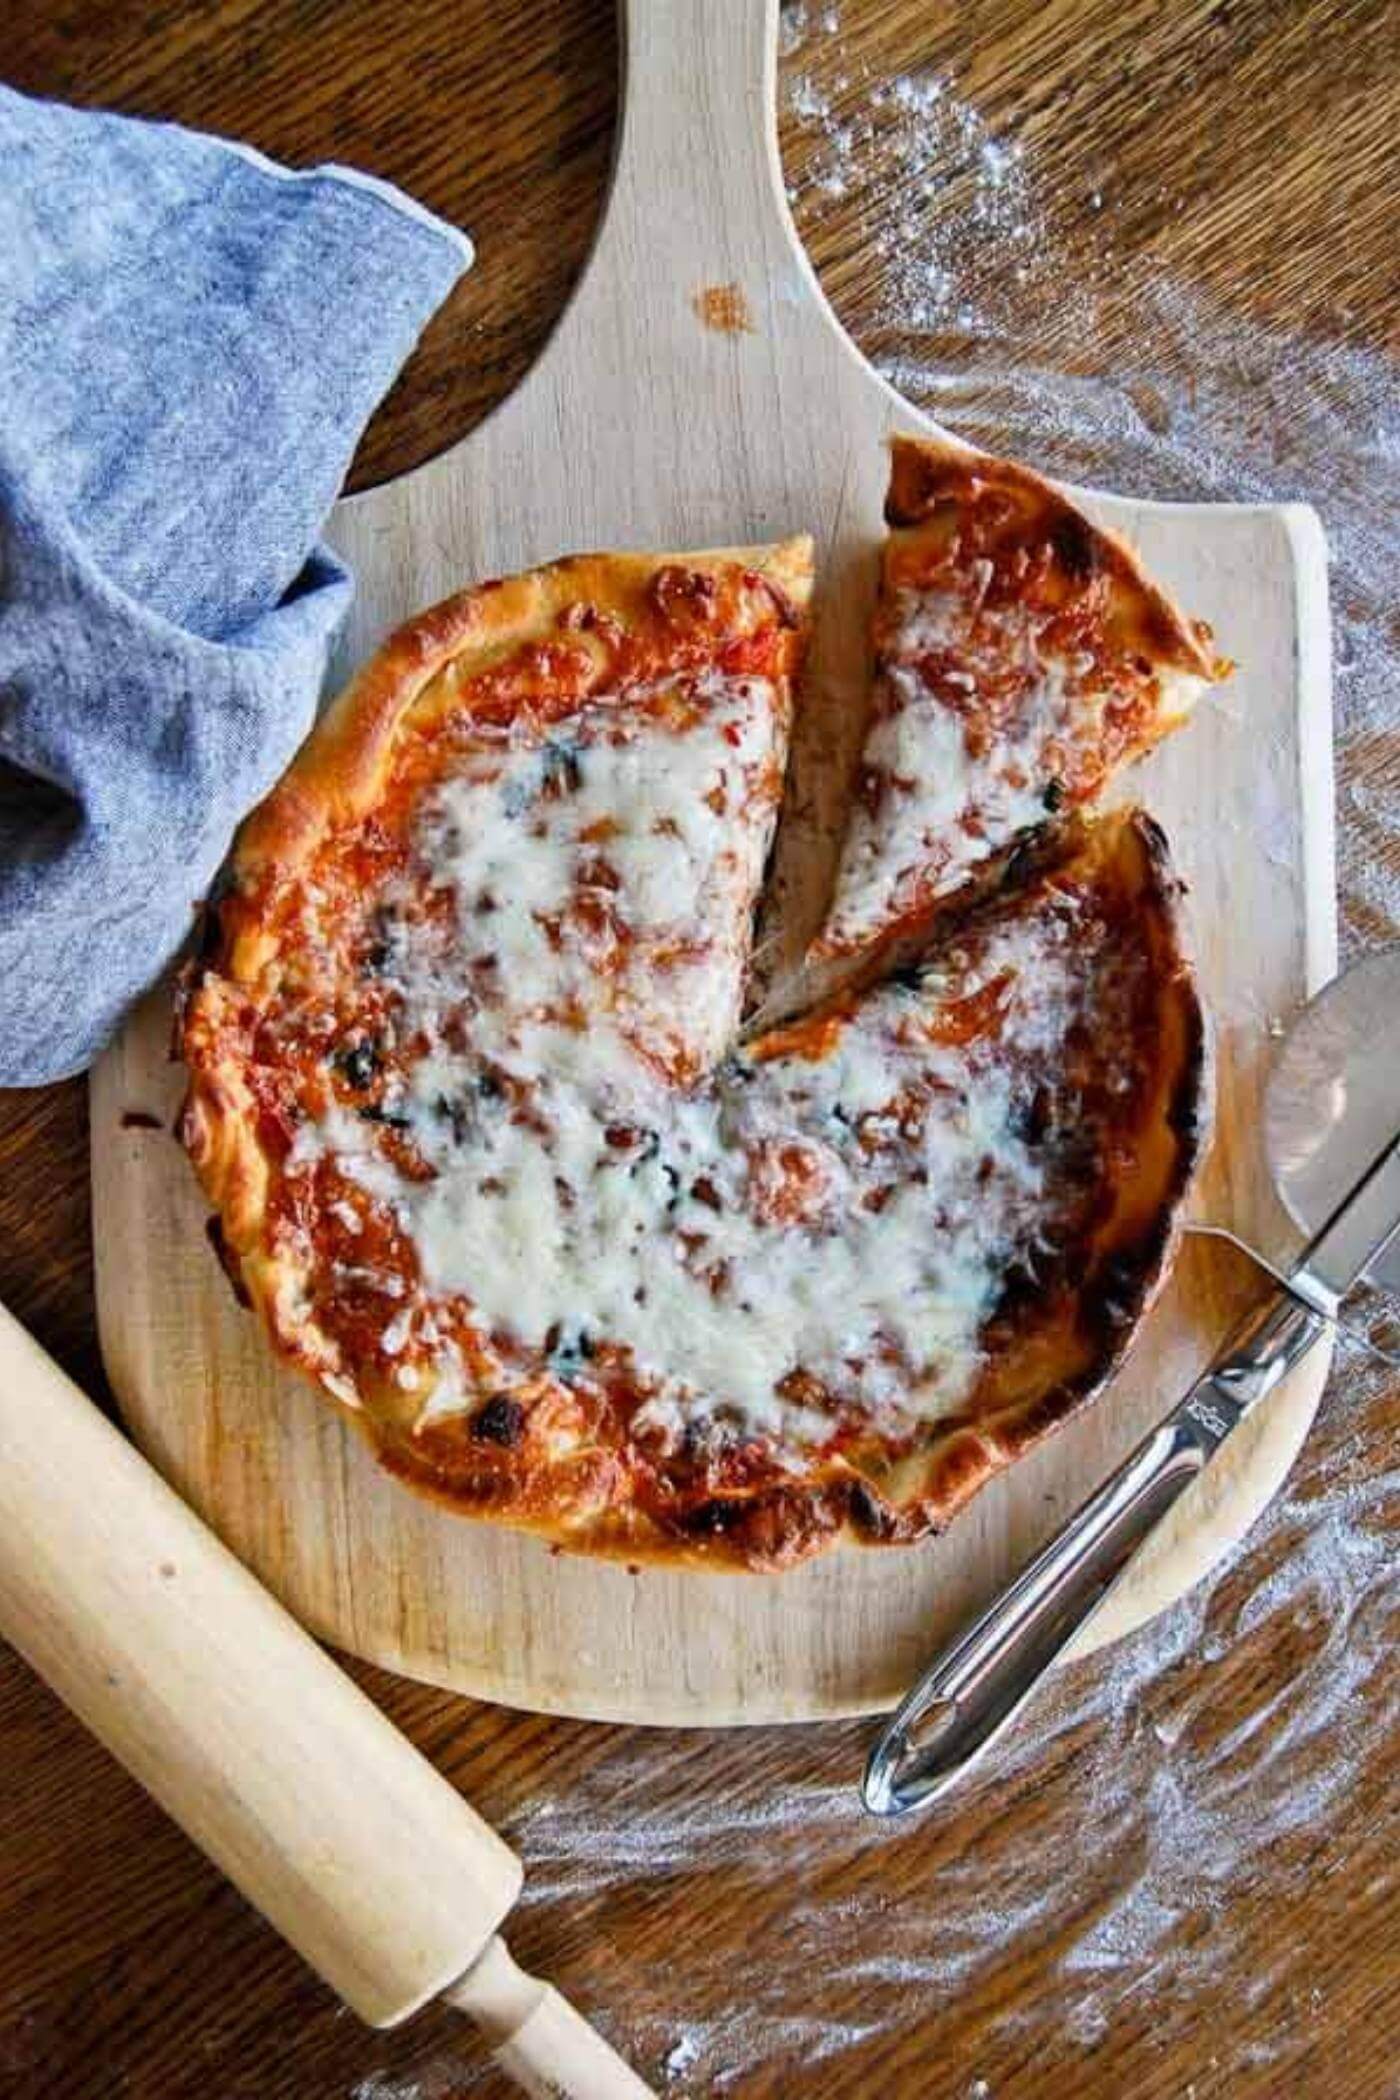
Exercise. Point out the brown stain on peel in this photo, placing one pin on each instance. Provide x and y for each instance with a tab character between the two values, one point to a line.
724	308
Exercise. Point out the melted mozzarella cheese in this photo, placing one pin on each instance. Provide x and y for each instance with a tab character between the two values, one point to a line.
543	1229
632	1211
613	868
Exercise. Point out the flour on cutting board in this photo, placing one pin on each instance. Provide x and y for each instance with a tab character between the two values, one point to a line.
1195	1825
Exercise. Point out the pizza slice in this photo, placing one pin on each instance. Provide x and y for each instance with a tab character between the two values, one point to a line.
517	859
1022	659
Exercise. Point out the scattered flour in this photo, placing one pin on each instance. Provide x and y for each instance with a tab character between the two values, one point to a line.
680	2056
945	154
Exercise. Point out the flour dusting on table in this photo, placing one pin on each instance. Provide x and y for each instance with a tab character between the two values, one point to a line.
933	260
1158	1831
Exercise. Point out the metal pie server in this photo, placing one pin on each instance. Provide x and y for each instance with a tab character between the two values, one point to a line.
1333	1137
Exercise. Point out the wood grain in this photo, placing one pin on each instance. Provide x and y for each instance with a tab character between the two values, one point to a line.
124	1963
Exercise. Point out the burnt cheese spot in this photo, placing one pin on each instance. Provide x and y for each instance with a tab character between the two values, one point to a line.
1072	541
501	1421
391	1119
568	1350
714	1517
458	1112
1032	1122
871	1517
561	770
359	1063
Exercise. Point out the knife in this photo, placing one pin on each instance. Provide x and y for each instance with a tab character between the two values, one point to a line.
974	1689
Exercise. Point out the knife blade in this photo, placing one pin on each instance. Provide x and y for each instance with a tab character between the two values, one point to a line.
1357	1235
1334	1093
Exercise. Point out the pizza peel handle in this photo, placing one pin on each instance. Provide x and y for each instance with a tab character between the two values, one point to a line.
328	1820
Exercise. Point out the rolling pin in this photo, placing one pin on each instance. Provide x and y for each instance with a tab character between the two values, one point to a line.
261	1748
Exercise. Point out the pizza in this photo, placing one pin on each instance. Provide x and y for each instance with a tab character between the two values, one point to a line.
1022	659
500	1166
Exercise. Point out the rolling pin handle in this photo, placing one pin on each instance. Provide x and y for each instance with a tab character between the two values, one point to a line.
537	2037
346	1839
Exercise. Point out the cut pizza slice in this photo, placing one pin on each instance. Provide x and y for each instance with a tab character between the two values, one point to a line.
521	851
1022	659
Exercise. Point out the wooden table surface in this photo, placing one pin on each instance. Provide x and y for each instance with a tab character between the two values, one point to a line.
1244	150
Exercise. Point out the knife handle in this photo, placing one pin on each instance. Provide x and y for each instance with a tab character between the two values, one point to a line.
974	1689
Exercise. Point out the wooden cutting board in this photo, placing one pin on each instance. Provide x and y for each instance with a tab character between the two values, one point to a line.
699	392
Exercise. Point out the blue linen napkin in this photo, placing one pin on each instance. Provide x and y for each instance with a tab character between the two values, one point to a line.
191	341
